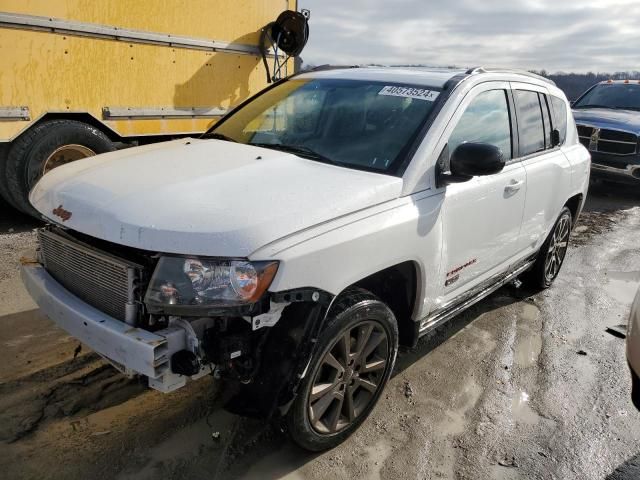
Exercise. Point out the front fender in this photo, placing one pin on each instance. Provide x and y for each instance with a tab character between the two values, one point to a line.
333	257
282	363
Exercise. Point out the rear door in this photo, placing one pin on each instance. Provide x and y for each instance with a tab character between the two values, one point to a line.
547	168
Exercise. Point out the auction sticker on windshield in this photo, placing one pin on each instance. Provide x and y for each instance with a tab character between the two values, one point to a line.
410	92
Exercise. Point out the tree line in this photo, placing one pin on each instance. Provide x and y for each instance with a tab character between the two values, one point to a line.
572	84
575	84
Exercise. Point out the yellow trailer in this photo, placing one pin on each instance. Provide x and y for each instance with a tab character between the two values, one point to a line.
81	77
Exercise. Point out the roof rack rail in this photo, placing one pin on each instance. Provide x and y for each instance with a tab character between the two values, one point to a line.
476	70
328	66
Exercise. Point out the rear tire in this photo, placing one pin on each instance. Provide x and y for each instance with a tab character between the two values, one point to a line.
551	255
351	365
42	148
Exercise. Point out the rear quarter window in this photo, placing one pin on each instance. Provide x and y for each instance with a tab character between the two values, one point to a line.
559	107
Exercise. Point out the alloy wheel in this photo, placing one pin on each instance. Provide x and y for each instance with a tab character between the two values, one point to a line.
348	377
557	248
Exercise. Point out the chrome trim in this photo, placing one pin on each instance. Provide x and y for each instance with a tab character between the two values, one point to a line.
109	113
625	172
616	141
84	29
15	113
464	301
595	140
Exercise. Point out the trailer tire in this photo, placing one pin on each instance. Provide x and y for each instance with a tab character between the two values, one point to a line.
4	191
44	147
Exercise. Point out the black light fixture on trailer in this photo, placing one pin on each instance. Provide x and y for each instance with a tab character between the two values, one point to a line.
288	35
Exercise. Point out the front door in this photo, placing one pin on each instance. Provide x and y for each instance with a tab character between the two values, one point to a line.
482	217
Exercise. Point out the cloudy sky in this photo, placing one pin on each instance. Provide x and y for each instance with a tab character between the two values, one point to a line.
556	35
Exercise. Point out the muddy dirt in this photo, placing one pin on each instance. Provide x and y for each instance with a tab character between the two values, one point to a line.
523	385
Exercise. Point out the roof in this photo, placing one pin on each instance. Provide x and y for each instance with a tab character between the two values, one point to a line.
431	77
428	76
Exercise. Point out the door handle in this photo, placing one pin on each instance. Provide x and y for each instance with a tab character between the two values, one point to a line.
514	186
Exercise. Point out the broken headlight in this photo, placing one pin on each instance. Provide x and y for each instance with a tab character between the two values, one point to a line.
194	282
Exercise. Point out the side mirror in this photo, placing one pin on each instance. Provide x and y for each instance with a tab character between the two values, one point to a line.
475	159
555	137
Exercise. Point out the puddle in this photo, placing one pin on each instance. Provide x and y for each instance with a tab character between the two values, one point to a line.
455	419
528	343
622	286
281	465
522	411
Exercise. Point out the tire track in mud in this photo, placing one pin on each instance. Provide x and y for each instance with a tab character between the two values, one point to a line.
73	389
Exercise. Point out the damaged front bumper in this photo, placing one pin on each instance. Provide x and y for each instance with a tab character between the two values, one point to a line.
132	350
264	355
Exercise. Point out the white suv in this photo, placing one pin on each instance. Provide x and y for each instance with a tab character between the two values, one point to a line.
292	248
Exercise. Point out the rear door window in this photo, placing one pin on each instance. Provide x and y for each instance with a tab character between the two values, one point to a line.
530	124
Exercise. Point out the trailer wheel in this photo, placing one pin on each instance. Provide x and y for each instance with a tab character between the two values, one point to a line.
43	148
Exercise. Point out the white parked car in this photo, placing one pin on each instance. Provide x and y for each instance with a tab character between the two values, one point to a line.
332	217
633	350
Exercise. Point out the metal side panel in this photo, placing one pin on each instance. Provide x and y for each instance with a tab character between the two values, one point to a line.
15	113
109	113
142	351
71	27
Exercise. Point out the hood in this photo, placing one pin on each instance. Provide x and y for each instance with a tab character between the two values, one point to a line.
203	197
627	120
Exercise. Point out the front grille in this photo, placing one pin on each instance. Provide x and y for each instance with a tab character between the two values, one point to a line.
585	133
101	280
614	142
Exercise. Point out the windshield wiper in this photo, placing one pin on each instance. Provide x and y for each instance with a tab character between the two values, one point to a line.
299	150
219	136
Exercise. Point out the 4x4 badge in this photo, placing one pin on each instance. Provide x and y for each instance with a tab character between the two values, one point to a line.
62	213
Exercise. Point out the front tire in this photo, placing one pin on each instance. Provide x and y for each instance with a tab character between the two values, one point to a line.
551	255
350	367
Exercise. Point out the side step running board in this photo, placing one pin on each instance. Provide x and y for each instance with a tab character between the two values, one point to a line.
458	305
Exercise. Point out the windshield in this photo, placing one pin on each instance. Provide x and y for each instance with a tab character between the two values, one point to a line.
612	95
358	124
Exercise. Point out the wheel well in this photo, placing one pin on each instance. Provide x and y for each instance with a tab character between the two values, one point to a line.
80	117
397	287
119	141
574	204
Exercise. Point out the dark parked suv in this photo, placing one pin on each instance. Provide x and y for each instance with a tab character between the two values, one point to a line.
608	120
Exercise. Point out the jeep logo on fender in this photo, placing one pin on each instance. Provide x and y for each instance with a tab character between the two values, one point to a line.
62	213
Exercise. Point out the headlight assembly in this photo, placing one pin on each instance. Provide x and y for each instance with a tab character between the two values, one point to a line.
201	282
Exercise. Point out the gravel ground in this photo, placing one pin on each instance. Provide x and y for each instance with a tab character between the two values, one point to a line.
523	385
